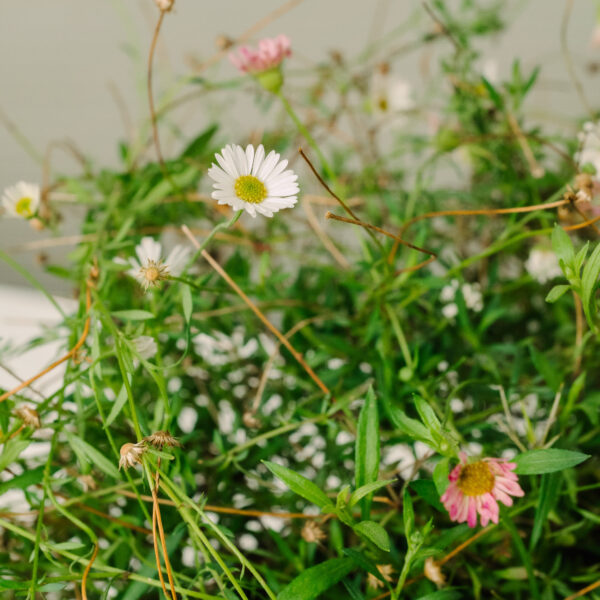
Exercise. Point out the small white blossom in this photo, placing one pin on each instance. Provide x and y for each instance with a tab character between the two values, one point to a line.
22	199
150	268
542	265
146	346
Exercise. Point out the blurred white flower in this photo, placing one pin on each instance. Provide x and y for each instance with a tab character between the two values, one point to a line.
149	268
249	180
390	94
589	149
145	346
542	265
471	293
22	199
220	349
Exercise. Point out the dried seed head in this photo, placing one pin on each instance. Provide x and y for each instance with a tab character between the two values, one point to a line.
312	533
160	439
164	5
130	455
29	416
433	572
385	571
88	482
250	420
152	273
222	42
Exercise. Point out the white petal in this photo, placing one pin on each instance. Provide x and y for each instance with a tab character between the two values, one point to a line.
259	157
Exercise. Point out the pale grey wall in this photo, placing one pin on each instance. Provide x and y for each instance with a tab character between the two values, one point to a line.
59	58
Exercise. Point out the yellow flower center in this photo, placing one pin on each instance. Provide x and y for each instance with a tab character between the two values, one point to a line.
250	189
476	479
382	104
154	272
23	207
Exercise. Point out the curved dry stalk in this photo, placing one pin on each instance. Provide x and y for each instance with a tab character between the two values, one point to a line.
157	519
584	591
87	571
67	356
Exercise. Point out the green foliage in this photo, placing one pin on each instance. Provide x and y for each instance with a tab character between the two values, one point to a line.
351	437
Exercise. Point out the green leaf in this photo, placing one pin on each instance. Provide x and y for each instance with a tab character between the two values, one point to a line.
563	247
375	533
494	95
440	475
369	488
548	495
315	580
133	315
589	280
447	594
301	485
117	406
557	292
548	370
411	427
367	446
364	562
94	456
408	514
11	451
23	481
536	462
186	301
425	488
198	145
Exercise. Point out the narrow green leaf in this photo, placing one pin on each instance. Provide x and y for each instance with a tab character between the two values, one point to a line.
536	462
367	446
301	485
369	488
408	514
440	475
133	315
411	427
548	495
557	292
117	407
315	580
364	562
186	301
375	533
94	456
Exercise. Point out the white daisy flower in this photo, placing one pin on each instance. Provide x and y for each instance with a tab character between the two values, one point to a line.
150	269
145	346
254	182
22	199
390	94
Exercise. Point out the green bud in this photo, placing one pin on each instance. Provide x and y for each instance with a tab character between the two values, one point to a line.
271	80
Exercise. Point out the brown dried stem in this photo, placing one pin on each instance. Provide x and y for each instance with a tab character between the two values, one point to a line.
87	571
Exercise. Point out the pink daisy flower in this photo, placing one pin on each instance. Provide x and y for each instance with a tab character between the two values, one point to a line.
476	488
270	54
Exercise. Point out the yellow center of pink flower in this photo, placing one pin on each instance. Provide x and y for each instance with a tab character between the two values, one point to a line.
476	479
250	189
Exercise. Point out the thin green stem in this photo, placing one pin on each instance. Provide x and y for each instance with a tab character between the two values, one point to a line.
308	136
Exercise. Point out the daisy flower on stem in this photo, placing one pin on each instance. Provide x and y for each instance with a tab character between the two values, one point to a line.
22	199
475	488
251	181
149	268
